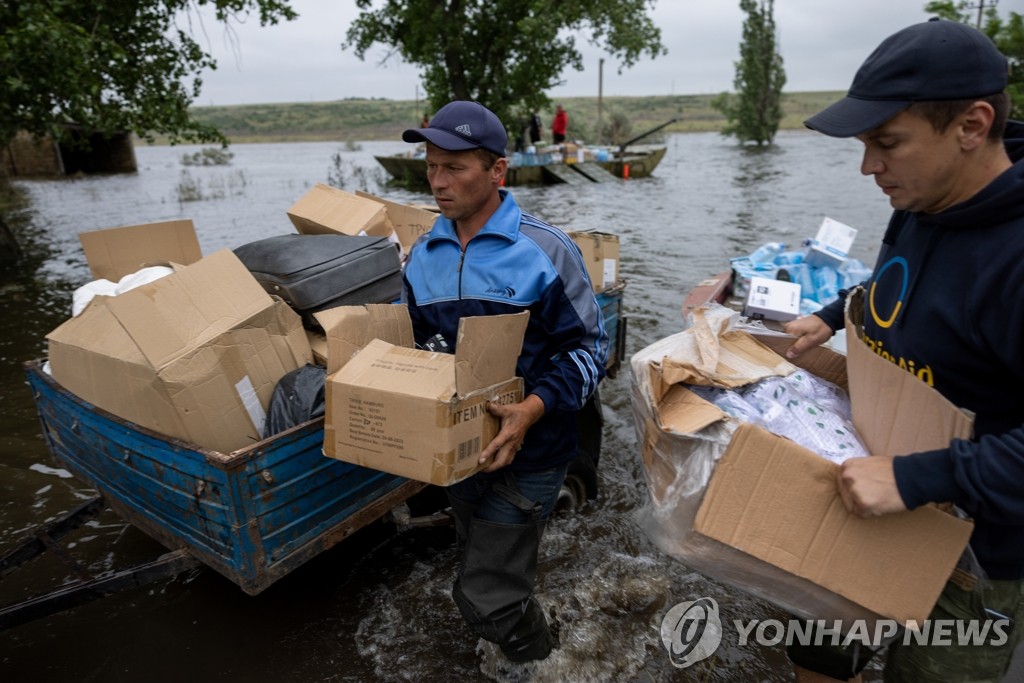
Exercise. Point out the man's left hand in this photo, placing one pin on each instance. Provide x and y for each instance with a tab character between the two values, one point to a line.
868	486
516	419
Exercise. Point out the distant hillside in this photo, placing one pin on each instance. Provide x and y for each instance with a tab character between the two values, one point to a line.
359	119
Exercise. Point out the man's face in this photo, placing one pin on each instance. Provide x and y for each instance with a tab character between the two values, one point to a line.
918	168
462	187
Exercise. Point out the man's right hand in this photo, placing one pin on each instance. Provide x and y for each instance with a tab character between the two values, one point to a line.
810	331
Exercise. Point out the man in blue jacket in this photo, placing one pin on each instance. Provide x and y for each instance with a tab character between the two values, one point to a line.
945	302
484	256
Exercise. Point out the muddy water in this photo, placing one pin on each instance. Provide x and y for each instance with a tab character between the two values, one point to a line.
376	608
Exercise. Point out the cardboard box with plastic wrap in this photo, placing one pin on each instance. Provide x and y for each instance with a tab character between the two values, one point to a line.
762	513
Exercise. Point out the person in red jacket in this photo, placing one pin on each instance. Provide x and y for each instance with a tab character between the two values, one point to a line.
559	124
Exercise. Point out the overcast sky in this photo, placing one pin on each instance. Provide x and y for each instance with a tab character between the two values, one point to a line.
822	43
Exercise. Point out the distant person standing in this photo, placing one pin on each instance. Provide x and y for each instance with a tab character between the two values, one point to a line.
534	128
559	124
425	122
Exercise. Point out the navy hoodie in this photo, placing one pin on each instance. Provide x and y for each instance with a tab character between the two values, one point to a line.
946	302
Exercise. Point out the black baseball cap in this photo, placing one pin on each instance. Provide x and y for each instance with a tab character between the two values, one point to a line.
462	125
930	61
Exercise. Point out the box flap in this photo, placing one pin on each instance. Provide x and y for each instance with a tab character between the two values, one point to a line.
487	349
409	221
684	412
735	359
778	502
326	210
894	411
350	328
397	370
186	309
116	252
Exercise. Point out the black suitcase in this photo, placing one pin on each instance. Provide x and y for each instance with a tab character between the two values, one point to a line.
314	272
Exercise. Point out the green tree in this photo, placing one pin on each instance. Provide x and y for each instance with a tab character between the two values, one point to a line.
110	65
503	53
1007	34
753	114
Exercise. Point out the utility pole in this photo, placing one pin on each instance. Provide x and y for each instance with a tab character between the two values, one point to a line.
600	93
981	9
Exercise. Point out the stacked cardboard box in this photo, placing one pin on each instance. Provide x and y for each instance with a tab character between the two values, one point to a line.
601	255
195	355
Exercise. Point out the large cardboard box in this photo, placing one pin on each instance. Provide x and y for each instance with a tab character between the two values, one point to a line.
116	252
410	412
601	255
769	519
409	221
325	210
195	355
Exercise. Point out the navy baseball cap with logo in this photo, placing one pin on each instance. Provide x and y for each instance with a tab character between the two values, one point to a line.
931	61
462	125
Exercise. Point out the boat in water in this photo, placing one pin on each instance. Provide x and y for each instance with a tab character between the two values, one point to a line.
554	164
545	168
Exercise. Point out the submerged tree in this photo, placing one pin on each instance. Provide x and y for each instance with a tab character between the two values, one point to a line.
503	53
1007	34
110	65
753	114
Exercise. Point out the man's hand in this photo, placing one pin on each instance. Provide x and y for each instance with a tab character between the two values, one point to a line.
810	331
516	419
868	486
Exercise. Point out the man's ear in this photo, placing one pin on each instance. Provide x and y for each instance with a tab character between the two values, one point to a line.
975	124
498	170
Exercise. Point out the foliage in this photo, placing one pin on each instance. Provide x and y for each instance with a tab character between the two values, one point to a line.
755	112
503	53
110	65
208	156
1007	34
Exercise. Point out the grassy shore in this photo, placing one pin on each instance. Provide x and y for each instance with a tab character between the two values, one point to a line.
380	119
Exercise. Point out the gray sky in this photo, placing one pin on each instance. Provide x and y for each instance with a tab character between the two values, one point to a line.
822	43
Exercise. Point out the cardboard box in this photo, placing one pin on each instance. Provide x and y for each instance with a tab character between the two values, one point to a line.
770	520
195	355
601	255
116	252
831	246
325	209
409	221
769	299
415	413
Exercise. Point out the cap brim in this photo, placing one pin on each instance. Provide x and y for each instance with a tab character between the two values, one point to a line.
441	138
851	116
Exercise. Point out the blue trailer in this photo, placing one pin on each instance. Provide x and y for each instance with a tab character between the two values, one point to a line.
252	515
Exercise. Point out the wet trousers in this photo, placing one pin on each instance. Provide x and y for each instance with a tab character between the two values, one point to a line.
499	518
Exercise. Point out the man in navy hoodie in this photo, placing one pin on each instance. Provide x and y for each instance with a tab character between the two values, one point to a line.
945	301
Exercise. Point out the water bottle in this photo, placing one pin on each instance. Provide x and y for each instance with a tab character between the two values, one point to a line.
766	253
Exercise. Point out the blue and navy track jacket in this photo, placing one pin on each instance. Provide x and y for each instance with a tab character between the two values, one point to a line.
517	263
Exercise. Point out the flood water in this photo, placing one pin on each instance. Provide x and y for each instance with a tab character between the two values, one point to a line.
376	607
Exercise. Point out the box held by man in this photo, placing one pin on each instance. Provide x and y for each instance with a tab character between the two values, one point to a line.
415	413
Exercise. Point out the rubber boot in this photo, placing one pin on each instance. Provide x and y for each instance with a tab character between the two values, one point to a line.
531	639
494	588
462	514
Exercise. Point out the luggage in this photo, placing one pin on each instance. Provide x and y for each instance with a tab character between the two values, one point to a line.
314	272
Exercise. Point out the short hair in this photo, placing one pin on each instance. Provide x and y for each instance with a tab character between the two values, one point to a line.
486	157
941	113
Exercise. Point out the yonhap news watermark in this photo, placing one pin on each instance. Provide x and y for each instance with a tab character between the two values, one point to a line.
692	631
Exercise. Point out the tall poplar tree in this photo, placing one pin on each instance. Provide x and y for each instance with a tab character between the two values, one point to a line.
753	114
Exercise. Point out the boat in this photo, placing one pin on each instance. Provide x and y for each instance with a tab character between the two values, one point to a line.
638	161
252	515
